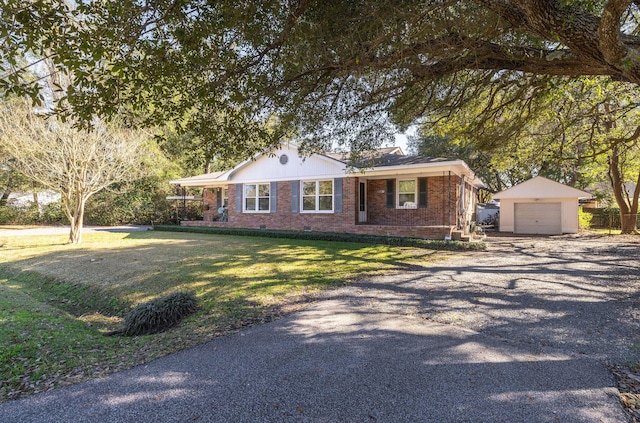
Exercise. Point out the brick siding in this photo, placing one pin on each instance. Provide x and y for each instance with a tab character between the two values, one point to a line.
433	222
440	210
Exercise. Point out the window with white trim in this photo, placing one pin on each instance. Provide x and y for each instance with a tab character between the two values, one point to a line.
407	196
225	197
317	196
256	198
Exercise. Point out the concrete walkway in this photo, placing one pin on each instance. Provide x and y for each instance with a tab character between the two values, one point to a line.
445	343
64	230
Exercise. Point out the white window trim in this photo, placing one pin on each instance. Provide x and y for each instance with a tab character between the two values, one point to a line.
415	194
333	196
225	190
257	198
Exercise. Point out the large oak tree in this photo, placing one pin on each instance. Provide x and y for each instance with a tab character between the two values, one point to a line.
337	67
579	132
351	71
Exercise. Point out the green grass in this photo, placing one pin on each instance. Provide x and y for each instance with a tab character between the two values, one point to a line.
57	300
605	231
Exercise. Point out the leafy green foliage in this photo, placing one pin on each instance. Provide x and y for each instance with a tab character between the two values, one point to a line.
603	218
479	161
18	215
140	202
584	219
159	314
579	131
51	213
327	71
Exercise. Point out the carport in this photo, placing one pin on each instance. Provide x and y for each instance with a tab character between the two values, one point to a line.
540	206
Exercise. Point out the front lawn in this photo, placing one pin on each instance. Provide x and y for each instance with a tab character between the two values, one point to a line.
57	300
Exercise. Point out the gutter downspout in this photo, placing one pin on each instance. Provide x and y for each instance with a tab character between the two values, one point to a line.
449	199
463	209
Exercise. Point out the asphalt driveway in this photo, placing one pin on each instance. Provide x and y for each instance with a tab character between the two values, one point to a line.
520	333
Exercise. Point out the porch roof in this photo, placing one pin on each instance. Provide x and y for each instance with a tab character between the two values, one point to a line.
198	180
391	162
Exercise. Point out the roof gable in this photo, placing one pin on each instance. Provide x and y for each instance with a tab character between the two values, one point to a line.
285	163
540	187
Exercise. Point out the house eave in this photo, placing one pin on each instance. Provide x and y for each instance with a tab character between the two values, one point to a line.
198	180
457	167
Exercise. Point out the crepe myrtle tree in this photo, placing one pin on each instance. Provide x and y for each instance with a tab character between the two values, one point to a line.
75	162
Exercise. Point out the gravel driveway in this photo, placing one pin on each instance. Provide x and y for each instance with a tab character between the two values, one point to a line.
519	333
574	294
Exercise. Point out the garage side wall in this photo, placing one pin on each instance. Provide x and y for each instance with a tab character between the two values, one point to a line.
570	223
506	215
569	213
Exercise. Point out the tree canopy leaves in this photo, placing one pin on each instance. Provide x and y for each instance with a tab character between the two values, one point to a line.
336	69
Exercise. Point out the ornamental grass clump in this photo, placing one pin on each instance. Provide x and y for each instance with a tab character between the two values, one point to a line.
158	315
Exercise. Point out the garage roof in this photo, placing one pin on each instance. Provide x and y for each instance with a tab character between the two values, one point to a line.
540	187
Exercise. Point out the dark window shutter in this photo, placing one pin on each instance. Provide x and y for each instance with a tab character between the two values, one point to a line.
239	188
273	195
391	193
337	195
422	192
295	196
218	198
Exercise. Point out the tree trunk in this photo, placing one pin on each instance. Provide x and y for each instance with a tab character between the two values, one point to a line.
4	197
36	203
75	235
628	209
628	223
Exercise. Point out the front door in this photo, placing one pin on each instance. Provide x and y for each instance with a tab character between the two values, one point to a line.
362	202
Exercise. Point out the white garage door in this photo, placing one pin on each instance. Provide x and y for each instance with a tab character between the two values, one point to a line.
538	218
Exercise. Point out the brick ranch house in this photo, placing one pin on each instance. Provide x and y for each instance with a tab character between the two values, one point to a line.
396	195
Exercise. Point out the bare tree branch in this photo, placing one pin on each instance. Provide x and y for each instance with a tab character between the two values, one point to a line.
76	163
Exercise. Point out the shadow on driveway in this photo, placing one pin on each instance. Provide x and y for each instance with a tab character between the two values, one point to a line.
334	362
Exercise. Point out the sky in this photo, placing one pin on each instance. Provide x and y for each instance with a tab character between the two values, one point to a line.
401	141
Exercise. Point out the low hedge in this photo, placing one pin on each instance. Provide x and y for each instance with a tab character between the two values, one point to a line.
329	236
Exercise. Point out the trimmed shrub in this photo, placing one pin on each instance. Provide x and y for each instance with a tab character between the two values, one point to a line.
329	236
19	215
8	215
53	213
158	315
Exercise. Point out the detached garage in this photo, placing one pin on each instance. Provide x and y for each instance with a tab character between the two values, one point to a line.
540	206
